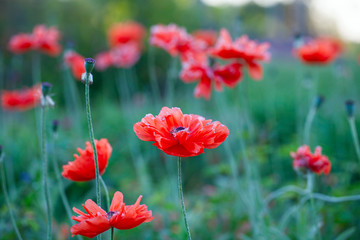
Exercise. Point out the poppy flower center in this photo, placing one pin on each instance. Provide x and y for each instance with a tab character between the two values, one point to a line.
110	214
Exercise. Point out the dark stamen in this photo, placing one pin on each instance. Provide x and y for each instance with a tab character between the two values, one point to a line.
110	214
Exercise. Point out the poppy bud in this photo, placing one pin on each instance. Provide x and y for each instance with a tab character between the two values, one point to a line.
89	64
318	101
349	106
45	88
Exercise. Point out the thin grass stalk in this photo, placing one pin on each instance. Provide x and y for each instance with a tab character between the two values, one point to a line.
308	123
107	196
7	201
181	195
354	136
45	172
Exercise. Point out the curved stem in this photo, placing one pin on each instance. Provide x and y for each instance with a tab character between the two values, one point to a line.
182	199
45	171
282	191
355	136
331	199
7	201
106	193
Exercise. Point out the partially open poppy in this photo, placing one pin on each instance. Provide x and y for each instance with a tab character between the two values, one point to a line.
304	159
178	134
318	51
20	43
120	216
242	48
21	100
75	62
83	168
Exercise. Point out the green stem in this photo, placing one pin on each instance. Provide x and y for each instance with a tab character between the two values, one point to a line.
45	171
92	140
36	68
3	184
182	199
152	74
106	193
170	81
355	136
112	234
308	122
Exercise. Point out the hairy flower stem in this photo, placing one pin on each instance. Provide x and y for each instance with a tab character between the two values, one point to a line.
112	234
355	136
309	190
7	201
92	140
106	193
45	172
182	199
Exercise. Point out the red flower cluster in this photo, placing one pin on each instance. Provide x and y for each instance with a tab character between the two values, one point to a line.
304	159
228	75
96	221
42	39
21	100
125	40
83	168
318	51
244	49
178	134
75	62
207	36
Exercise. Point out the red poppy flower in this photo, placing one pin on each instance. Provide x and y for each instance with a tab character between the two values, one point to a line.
174	40
178	134
83	168
207	36
21	100
193	70
122	33
120	216
242	48
76	63
318	51
304	159
103	61
46	40
20	43
125	56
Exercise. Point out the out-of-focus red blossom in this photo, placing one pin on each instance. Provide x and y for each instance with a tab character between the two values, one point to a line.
315	162
318	51
20	43
126	55
75	62
83	168
103	61
96	221
21	100
42	39
126	32
207	36
178	134
217	75
175	40
122	56
242	48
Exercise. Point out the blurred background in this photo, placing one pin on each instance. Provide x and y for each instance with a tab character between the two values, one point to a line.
223	202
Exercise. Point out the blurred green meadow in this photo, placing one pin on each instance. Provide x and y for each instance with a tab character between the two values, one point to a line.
225	188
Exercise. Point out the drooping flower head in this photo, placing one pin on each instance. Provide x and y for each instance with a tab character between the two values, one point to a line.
318	51
250	52
217	75
42	39
96	221
83	168
207	36
126	32
304	159
75	62
21	100
178	134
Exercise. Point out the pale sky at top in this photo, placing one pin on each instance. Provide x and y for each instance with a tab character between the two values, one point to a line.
345	14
